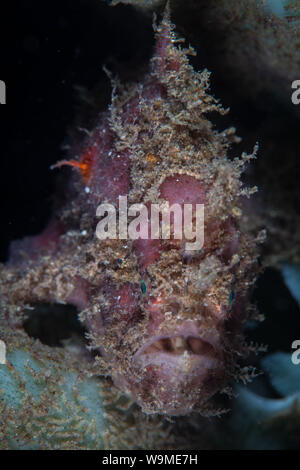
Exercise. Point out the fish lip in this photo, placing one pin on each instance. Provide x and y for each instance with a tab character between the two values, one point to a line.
165	355
152	340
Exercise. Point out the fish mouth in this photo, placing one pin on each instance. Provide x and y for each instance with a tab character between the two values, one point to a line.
173	349
177	370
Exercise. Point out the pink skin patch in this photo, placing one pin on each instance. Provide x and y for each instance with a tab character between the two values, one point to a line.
122	305
80	294
183	189
46	242
177	189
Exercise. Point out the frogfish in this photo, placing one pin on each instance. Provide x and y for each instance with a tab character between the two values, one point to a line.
164	321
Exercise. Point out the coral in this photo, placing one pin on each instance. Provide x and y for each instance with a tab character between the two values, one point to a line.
165	322
50	398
